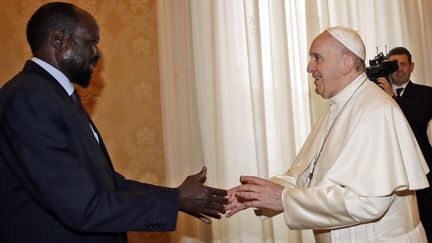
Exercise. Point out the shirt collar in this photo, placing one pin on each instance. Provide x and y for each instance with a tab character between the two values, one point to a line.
59	76
347	92
394	87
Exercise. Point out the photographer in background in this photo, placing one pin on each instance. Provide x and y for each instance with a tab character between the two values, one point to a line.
415	100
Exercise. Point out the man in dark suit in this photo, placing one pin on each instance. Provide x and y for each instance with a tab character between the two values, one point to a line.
57	183
415	100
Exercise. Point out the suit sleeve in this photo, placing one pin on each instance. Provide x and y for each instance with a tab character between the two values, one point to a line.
134	186
49	164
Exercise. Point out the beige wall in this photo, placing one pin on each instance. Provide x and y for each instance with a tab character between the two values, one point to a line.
124	98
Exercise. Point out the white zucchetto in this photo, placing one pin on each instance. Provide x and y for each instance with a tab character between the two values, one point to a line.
350	39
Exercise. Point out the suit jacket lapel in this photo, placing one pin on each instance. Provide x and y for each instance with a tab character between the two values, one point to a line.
103	148
409	91
98	154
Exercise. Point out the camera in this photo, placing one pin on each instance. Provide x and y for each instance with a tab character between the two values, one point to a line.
380	66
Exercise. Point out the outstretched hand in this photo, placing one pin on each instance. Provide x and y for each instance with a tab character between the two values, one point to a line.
235	204
199	200
254	192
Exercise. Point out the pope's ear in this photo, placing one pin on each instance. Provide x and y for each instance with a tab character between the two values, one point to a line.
58	39
348	63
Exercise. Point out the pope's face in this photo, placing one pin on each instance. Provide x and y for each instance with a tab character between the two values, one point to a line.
325	65
402	75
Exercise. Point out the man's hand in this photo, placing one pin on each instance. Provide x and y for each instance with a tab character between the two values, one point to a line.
199	200
386	86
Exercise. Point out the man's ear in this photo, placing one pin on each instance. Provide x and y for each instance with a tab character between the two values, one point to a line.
58	39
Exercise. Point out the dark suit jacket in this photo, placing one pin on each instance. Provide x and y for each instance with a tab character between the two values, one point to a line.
416	104
57	184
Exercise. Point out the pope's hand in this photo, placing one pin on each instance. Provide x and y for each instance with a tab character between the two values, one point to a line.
235	204
254	192
260	193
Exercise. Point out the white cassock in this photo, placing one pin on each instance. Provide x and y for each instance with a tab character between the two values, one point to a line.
363	183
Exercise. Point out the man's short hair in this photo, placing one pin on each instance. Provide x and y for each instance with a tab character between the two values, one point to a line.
400	51
55	16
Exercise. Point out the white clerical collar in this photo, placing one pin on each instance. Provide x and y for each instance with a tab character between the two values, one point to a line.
347	92
59	76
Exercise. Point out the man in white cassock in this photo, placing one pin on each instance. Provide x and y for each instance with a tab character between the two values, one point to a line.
355	177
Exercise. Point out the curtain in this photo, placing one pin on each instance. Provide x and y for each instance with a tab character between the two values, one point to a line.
236	96
383	25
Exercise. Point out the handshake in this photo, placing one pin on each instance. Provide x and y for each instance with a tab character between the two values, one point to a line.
201	201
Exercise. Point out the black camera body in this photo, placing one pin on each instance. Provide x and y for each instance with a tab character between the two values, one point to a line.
380	66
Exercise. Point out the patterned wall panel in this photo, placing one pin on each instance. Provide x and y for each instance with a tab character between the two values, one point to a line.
123	98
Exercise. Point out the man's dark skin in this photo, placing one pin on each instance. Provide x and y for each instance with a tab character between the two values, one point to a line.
75	55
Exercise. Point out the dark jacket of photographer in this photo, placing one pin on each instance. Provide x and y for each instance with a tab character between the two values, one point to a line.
416	104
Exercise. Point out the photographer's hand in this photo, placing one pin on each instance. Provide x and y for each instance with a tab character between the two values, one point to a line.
386	86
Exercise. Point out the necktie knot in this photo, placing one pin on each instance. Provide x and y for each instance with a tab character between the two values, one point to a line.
75	97
77	103
399	91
